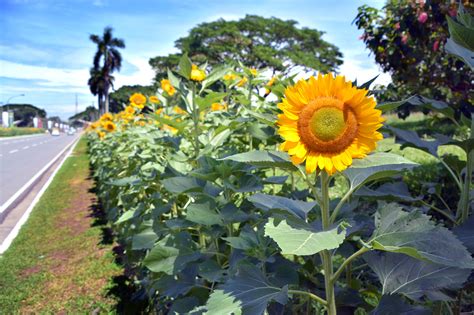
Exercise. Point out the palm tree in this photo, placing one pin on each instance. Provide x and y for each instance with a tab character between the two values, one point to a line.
107	59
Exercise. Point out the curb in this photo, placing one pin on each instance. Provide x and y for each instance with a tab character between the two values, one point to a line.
23	136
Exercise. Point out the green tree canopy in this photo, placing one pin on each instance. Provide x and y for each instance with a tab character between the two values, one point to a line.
408	38
255	41
25	113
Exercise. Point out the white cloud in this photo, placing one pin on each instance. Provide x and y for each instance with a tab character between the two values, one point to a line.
355	69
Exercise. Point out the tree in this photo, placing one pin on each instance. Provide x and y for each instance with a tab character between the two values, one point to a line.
107	59
89	114
255	41
25	113
407	38
120	97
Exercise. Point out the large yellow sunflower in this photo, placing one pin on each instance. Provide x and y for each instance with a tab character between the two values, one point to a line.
327	122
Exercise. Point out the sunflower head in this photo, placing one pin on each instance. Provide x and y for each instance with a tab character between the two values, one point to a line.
167	87
218	106
254	72
326	122
109	126
138	99
129	110
242	82
153	99
197	74
106	117
178	110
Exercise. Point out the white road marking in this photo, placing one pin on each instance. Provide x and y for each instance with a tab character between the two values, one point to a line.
26	147
13	151
34	145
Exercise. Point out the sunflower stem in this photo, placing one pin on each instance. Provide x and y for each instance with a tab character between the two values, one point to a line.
195	120
325	254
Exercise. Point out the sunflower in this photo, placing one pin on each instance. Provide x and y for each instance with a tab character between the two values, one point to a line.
129	110
218	106
327	122
197	74
109	126
106	117
178	110
159	111
242	82
254	72
101	135
229	77
153	99
138	99
167	87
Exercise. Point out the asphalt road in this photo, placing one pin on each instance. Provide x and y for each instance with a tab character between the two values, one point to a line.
22	158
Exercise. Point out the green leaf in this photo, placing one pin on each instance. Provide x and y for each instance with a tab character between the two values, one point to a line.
401	274
397	191
395	305
222	303
375	166
461	52
161	259
408	138
295	207
302	242
413	234
461	34
367	84
209	99
144	240
203	214
181	184
127	215
253	290
216	74
263	159
174	80
172	254
185	66
420	101
131	180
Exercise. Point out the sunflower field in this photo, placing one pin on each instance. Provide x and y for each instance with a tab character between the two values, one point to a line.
235	192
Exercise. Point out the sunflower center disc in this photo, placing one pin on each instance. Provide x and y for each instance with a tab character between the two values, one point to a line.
327	123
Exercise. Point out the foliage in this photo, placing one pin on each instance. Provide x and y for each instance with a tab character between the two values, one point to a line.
409	39
207	210
25	113
15	131
255	41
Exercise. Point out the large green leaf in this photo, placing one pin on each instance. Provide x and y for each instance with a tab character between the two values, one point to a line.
203	214
222	303
408	138
414	234
299	241
395	305
264	159
376	166
181	184
461	34
253	290
171	254
295	207
144	240
401	274
397	191
461	52
420	101
215	75
185	66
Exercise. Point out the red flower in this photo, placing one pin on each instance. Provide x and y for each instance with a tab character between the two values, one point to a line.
397	25
436	45
423	17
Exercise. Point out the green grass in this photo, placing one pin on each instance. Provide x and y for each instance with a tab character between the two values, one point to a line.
58	262
19	131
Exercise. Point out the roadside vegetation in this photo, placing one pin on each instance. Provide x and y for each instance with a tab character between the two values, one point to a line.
62	259
19	131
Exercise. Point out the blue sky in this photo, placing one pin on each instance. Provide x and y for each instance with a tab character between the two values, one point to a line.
46	54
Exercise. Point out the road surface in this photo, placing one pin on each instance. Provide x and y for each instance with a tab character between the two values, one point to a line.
22	158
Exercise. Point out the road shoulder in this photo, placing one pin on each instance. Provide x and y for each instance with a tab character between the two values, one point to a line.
62	259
